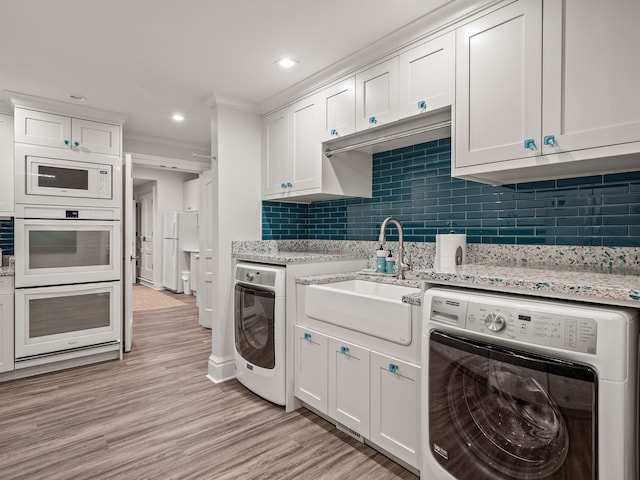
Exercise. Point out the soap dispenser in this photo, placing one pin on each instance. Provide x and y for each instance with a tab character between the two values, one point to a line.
381	258
390	263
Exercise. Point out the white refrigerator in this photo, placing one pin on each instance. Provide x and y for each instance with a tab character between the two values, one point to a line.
180	233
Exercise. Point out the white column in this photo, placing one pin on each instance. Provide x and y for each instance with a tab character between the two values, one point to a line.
236	130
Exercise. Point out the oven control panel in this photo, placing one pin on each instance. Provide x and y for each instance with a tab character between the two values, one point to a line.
542	326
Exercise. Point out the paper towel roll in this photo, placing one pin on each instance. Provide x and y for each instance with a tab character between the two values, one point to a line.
451	250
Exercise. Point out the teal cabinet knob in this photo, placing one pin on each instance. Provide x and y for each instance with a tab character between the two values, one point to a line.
422	105
76	144
393	368
344	350
334	132
307	336
530	144
549	140
372	120
289	185
67	142
283	185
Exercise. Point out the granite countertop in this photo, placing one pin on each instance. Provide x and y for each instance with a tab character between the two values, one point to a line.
605	286
286	257
608	287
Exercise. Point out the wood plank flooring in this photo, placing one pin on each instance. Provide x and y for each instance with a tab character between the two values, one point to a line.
155	415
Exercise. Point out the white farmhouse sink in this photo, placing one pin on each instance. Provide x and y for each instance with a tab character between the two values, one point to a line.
368	307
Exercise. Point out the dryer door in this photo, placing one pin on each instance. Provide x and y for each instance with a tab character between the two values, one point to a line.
496	413
254	316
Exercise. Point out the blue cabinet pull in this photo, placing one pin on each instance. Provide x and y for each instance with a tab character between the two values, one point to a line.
549	140
283	185
393	368
422	105
307	336
289	185
530	144
76	144
334	132
344	350
67	142
373	120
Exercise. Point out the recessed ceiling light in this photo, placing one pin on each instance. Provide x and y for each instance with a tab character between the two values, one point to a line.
76	96
177	117
286	62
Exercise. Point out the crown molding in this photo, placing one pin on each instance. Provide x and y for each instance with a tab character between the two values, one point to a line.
168	163
65	108
217	99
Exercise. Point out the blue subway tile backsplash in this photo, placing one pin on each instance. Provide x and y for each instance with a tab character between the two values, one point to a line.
6	237
414	184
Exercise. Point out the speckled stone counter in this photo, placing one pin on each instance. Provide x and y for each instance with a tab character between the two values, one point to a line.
578	283
288	252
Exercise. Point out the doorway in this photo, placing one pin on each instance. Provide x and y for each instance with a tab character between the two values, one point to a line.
144	204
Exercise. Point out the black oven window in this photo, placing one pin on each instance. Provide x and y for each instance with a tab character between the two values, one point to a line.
58	177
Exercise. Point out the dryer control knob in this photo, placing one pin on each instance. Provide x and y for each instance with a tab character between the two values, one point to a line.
249	276
495	322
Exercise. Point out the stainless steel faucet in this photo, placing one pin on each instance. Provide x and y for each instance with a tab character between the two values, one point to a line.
402	267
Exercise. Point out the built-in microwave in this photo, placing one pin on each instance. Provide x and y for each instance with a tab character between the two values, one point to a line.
54	176
57	245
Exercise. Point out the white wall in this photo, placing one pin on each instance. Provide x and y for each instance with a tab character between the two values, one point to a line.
168	199
236	136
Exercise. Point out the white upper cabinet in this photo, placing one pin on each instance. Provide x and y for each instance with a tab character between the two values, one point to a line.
338	104
427	76
7	165
377	95
52	130
499	85
292	150
591	65
190	195
548	90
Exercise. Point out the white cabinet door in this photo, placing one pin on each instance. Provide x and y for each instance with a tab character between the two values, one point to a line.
6	324
310	377
7	165
40	128
190	195
338	109
95	137
395	401
377	95
275	152
349	385
591	74
427	76
306	151
499	85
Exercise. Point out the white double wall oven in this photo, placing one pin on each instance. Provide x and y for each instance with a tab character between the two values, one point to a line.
67	253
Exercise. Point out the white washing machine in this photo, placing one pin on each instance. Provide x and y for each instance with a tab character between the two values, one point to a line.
520	388
259	329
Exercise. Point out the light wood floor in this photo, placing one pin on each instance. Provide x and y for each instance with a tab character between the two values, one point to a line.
154	415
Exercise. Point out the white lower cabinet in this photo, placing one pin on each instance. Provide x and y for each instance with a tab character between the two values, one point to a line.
310	378
348	392
395	390
6	324
373	394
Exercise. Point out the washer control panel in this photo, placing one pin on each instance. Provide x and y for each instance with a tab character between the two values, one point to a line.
540	326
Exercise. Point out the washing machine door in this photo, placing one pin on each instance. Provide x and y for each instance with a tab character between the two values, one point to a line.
496	413
254	316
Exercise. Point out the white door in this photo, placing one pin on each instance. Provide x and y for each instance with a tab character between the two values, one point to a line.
498	112
377	95
146	236
591	74
338	109
207	262
129	266
306	153
310	377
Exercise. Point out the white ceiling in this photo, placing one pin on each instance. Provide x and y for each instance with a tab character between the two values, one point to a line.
150	58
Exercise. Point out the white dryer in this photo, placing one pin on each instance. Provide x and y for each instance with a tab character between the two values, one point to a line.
259	329
521	388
